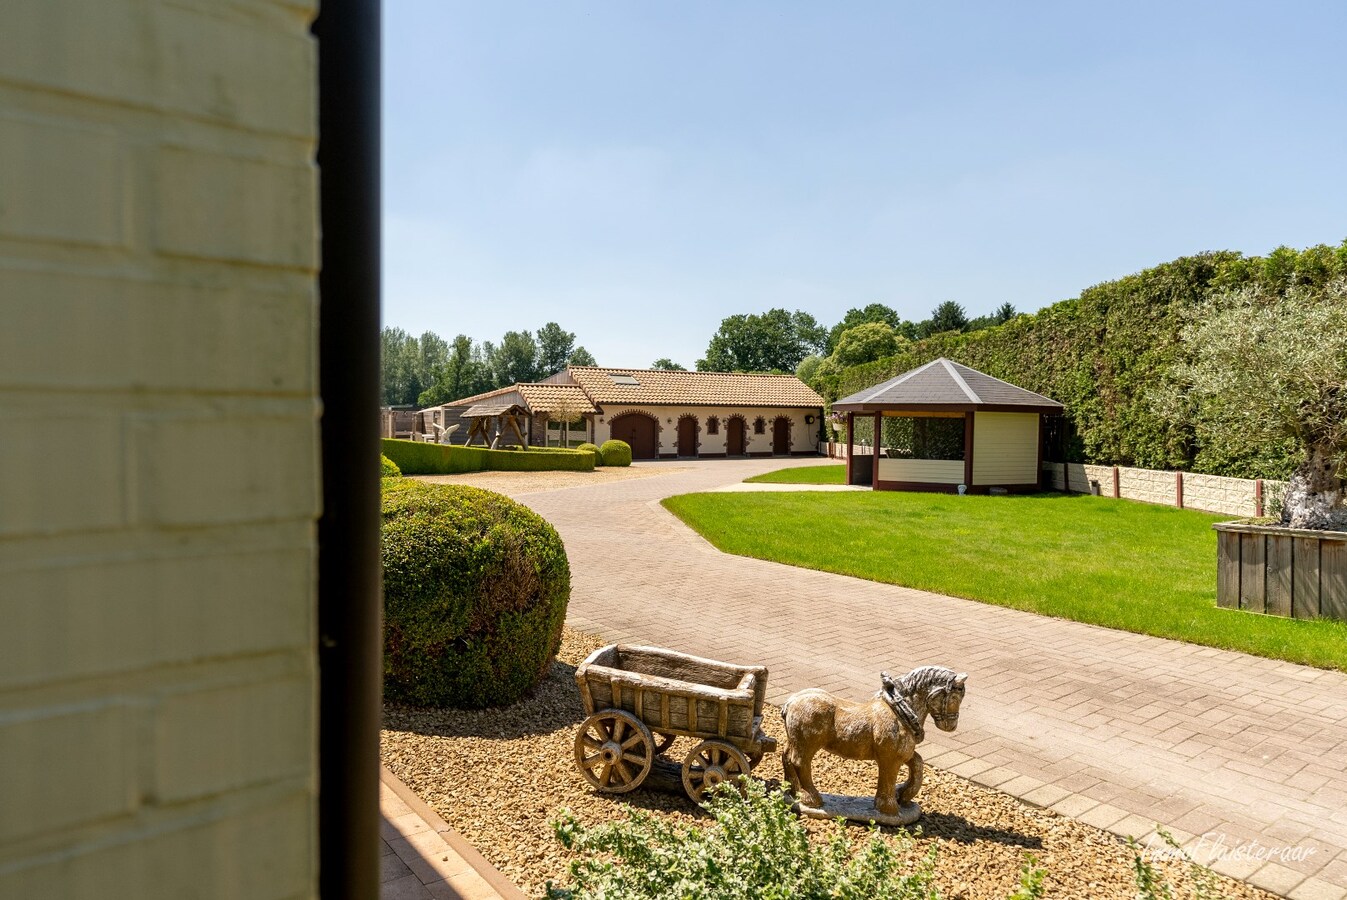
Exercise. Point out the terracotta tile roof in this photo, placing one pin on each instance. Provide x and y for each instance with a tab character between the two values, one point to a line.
548	397
945	383
658	387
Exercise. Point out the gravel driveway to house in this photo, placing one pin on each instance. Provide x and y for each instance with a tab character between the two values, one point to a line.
1122	731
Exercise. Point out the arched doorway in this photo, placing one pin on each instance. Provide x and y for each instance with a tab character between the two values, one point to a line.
781	436
639	431
687	436
734	436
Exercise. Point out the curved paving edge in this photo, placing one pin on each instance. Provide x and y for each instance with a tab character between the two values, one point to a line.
423	858
1116	729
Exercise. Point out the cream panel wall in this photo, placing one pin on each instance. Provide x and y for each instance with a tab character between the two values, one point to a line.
158	449
1005	448
921	471
804	436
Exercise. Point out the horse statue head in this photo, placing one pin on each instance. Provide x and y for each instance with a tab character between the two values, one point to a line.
929	689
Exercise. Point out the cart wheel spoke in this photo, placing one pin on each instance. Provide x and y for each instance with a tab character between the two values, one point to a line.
614	751
710	763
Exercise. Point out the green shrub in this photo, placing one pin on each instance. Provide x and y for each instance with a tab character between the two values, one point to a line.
754	847
417	458
388	468
475	593
590	448
615	453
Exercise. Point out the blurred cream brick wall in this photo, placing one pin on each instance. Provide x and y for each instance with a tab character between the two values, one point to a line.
158	449
1211	493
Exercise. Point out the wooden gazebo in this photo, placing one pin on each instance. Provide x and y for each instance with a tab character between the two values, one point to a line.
943	426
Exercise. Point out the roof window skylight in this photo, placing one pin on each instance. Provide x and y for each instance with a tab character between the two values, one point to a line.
629	380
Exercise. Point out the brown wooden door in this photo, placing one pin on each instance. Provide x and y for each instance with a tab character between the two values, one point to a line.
734	437
781	436
687	436
638	431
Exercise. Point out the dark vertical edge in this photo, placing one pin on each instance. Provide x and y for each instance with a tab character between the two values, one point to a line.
1227	569
874	446
349	604
851	442
1178	489
968	449
1333	579
1278	598
1042	439
1252	572
1258	498
1117	494
1305	578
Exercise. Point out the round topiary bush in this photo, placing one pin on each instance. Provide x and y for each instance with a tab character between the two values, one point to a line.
615	453
598	460
388	468
475	593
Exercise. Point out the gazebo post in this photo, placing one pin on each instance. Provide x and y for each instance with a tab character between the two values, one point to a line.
968	451
874	468
851	431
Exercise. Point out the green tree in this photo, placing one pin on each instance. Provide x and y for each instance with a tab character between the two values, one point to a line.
555	348
667	365
948	316
875	312
808	368
866	343
582	357
516	359
1271	365
1004	313
774	341
399	360
461	376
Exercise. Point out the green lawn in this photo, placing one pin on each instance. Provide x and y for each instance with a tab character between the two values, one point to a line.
1133	566
804	475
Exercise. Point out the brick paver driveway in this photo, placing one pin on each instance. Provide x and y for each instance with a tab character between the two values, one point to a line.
1119	730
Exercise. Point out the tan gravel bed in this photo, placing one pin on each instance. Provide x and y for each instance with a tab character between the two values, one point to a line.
515	483
499	776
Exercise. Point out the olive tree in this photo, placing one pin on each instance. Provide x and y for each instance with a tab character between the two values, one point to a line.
1274	367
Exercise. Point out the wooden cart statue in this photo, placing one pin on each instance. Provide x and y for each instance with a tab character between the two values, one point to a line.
639	699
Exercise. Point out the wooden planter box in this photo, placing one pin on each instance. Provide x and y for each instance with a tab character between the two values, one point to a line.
1281	571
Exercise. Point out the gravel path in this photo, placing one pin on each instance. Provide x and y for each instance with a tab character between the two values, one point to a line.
498	776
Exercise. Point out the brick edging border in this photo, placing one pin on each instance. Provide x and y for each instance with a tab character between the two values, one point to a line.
489	873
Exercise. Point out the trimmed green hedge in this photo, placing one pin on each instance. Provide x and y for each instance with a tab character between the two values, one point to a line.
388	468
590	448
1106	353
475	593
417	458
615	453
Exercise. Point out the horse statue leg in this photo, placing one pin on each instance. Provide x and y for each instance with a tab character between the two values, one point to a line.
907	791
886	796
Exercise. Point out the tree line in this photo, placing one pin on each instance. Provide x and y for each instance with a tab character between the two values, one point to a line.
428	370
782	341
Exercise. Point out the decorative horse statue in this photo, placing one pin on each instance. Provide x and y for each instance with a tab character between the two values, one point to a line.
887	729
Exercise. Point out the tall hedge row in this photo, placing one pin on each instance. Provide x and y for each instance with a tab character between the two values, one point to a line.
1105	353
418	458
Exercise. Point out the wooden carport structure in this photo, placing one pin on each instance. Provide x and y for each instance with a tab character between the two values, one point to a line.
945	427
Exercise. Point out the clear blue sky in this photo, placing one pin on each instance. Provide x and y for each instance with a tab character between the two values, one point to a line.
639	171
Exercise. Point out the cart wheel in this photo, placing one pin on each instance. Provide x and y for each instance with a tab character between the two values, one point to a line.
663	742
710	763
614	751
